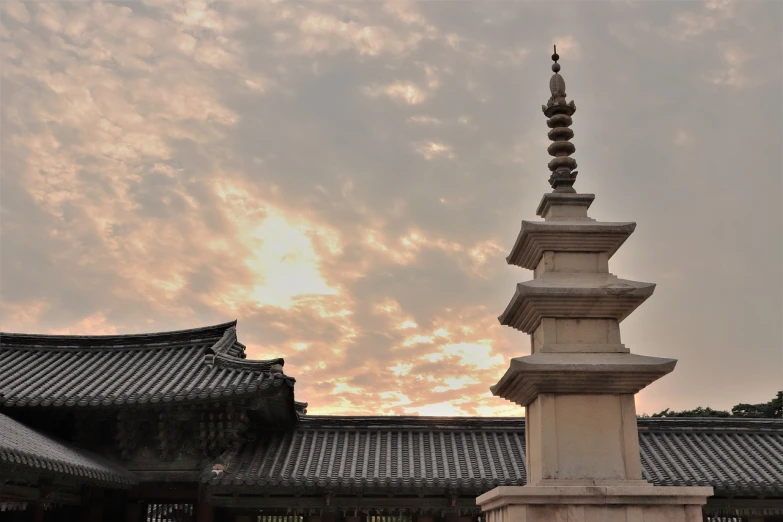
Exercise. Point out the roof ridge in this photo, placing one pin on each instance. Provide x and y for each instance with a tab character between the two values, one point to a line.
229	361
417	417
83	341
410	423
222	345
219	355
709	423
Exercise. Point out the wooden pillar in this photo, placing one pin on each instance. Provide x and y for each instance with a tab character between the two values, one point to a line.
92	513
36	510
204	512
222	515
132	512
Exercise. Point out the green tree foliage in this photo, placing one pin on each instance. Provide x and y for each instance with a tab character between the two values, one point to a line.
697	412
768	410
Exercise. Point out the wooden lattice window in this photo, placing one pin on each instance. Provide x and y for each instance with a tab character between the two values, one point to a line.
170	513
12	506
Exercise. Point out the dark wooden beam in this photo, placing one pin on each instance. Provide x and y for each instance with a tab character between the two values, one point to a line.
260	502
64	497
164	492
47	493
160	475
743	506
23	493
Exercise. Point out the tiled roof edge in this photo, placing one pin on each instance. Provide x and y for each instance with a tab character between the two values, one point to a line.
115	476
493	423
101	470
410	422
709	424
81	341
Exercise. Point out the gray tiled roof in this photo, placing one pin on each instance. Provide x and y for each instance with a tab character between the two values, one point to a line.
25	450
403	452
186	365
476	454
742	456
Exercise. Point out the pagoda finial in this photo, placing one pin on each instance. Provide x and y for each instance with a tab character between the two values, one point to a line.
559	113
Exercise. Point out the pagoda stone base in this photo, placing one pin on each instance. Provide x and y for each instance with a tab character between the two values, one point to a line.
594	504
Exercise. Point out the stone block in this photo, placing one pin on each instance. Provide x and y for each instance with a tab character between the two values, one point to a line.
582	438
551	201
577	336
572	262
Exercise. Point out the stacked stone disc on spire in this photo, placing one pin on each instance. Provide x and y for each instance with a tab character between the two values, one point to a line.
559	113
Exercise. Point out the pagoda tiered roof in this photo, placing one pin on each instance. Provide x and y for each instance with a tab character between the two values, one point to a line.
462	454
535	238
578	296
605	373
185	366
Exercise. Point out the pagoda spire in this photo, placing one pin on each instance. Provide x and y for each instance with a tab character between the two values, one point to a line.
559	113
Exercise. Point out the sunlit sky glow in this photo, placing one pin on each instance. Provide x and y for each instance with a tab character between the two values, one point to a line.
346	180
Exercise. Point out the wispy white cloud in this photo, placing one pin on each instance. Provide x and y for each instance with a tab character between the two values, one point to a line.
431	150
408	93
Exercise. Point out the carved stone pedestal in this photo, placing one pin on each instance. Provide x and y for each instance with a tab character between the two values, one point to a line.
593	504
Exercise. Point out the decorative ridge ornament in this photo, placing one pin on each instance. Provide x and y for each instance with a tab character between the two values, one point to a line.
559	113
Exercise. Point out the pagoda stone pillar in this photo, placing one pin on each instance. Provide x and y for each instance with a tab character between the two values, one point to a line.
578	383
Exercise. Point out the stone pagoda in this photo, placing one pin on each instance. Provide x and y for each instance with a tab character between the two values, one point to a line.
578	383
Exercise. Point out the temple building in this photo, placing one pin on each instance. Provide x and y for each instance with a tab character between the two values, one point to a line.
182	426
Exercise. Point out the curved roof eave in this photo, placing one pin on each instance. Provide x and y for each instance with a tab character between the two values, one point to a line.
121	340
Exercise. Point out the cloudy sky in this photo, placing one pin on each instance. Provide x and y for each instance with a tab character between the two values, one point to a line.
346	180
